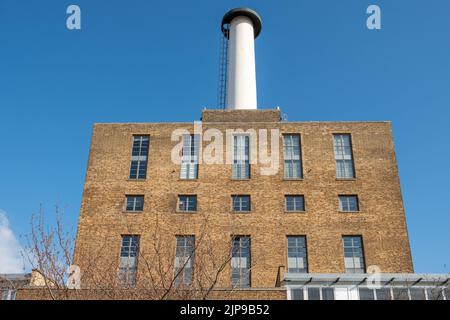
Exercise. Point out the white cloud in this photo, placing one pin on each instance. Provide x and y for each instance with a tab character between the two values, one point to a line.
11	260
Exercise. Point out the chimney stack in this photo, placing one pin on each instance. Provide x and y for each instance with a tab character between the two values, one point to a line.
244	26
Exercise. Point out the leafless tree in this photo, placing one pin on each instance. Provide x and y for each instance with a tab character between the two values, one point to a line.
50	250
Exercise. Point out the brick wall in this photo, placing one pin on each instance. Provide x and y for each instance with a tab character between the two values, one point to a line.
242	294
381	221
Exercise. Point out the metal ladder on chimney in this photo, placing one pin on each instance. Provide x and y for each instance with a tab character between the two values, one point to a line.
223	70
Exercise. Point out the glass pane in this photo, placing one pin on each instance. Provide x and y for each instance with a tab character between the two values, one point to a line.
400	294
383	294
139	203
133	169
297	261
353	254
240	262
288	169
292	155
130	203
417	294
142	169
348	203
348	167
366	294
435	294
297	294
343	156
313	293
327	294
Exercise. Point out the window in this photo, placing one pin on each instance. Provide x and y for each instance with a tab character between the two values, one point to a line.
184	260
240	262
294	203
417	293
7	294
344	156
313	293
189	159
135	203
187	203
297	294
327	294
241	157
400	293
435	294
292	157
297	256
366	294
348	203
383	294
241	203
353	254
139	154
128	259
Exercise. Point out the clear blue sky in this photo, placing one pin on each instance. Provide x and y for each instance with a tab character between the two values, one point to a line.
148	61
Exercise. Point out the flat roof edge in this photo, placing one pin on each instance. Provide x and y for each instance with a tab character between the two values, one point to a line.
240	122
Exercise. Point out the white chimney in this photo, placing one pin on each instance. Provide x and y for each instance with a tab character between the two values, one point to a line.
244	26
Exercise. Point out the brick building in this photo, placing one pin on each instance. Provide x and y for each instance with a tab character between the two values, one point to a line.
326	215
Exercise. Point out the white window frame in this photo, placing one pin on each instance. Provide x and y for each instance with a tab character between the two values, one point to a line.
190	157
305	258
128	264
240	196
141	158
339	147
353	247
289	156
185	261
189	197
341	198
134	203
241	157
295	206
240	262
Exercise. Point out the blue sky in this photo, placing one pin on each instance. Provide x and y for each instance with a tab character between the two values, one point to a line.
148	61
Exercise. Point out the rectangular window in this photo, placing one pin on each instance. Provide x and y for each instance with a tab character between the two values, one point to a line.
313	293
327	294
435	294
241	157
128	259
297	294
184	260
240	262
294	203
8	294
241	203
344	156
348	203
400	293
297	255
135	203
187	203
292	157
383	294
366	294
189	158
417	294
139	154
353	254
